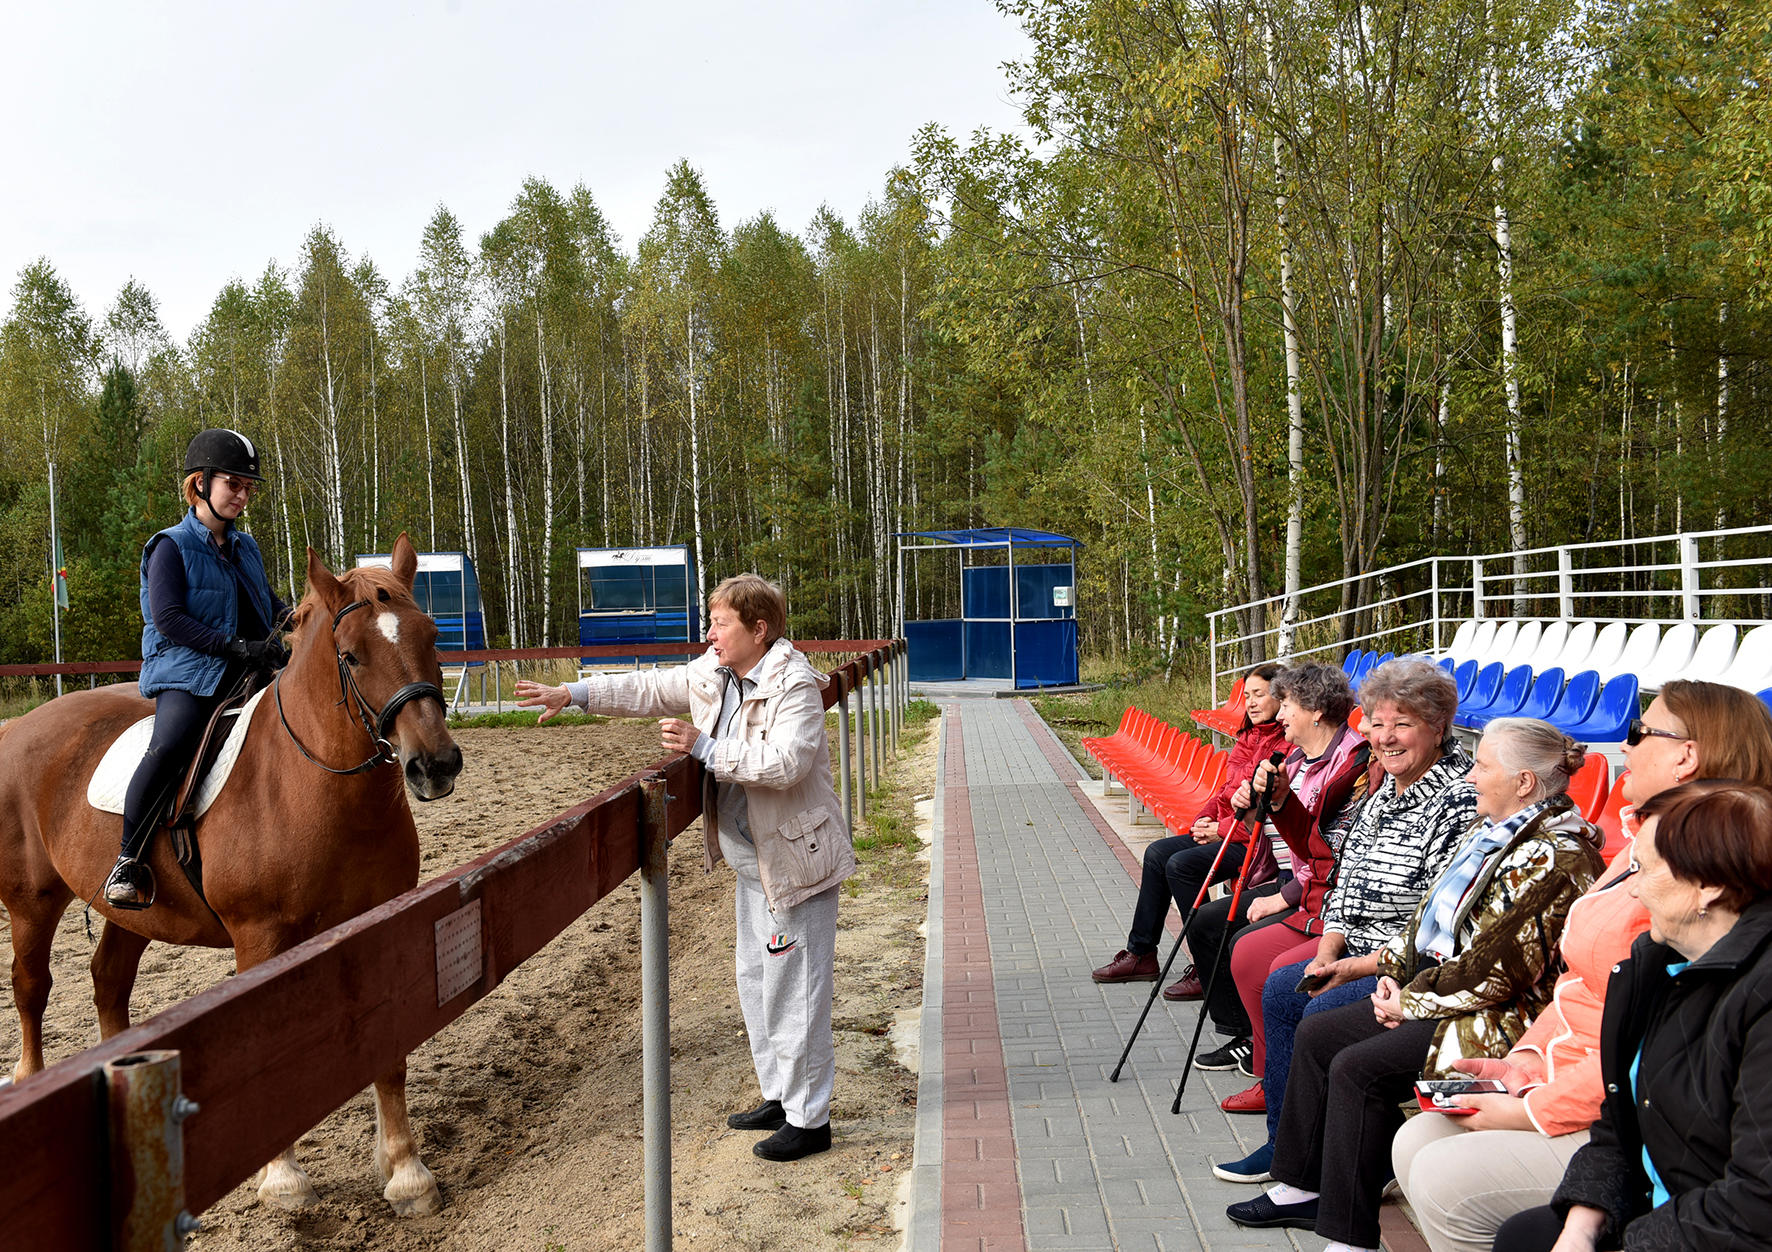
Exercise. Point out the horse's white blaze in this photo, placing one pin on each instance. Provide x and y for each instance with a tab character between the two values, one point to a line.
389	626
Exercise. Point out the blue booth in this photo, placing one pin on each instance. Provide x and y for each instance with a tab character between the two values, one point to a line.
446	588
1017	620
637	595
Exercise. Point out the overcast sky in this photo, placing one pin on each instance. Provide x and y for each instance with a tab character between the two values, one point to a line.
186	143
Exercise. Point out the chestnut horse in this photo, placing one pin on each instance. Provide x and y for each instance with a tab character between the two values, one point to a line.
311	829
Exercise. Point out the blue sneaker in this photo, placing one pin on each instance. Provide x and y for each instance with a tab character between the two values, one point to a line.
1252	1168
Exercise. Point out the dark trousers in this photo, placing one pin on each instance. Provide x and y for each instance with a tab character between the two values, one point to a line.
179	718
1207	939
1175	868
1349	1074
1535	1230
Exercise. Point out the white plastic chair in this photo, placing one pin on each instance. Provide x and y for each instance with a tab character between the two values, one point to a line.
1480	641
1639	651
1459	648
1751	670
1670	657
1716	648
1525	645
1608	646
1573	658
1550	647
1502	643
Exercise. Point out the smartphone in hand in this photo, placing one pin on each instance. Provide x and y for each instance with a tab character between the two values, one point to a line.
1446	1095
1310	984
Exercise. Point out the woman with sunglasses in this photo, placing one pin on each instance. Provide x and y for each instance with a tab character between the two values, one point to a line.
1467	1174
208	616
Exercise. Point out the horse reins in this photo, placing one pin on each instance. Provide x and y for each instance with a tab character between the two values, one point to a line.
377	727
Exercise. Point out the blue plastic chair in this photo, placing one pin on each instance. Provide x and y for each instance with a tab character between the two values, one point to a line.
1448	664
1484	690
1540	702
1766	699
1608	723
1465	676
1368	662
1579	699
1352	662
1508	698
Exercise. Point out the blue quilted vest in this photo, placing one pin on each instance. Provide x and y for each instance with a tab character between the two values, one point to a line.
210	597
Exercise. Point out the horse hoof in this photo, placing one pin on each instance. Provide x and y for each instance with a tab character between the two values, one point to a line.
413	1192
289	1201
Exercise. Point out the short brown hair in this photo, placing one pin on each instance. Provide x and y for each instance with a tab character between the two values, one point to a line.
1716	832
1418	687
190	487
1731	727
755	599
1319	688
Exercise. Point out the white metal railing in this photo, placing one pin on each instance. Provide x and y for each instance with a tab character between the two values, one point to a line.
1419	599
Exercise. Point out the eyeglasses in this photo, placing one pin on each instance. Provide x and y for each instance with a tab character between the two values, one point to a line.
239	486
1639	731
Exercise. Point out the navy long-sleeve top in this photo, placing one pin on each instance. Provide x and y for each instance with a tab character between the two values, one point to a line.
166	600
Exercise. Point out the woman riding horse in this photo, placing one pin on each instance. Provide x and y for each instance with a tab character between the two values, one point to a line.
207	616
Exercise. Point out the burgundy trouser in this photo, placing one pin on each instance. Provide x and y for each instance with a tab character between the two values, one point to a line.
1254	955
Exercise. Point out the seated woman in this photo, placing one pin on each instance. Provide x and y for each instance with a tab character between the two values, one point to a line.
1322	780
1681	1156
1177	865
1397	841
1466	1175
1461	978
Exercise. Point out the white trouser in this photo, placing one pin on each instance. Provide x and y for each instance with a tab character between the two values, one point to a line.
786	964
1463	1184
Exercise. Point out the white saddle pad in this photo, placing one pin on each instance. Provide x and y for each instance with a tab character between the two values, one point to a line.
110	781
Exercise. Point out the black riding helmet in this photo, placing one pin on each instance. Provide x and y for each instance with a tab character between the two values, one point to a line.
221	451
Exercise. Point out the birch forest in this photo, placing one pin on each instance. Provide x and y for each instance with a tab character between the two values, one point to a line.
1266	293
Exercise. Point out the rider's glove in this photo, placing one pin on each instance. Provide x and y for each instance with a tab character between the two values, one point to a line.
259	654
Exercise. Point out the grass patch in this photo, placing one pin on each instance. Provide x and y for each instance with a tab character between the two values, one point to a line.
886	843
1095	713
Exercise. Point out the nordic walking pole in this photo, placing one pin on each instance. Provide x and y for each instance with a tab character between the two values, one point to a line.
1211	877
1261	815
1186	926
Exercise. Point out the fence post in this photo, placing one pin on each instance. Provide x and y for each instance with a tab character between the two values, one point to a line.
147	1114
1477	587
1565	584
877	709
1434	566
1689	589
861	737
1212	652
843	750
655	1011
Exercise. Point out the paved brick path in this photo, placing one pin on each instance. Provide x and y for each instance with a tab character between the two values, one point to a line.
1022	1142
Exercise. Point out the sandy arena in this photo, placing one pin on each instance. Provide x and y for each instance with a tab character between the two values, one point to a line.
528	1107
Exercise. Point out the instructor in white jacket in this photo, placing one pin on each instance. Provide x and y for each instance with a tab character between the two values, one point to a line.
757	723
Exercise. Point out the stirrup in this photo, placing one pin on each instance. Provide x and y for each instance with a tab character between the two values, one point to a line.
131	885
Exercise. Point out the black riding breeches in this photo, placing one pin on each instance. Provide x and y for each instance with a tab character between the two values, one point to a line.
179	718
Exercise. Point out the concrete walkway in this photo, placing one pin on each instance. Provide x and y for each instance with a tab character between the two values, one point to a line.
1022	1142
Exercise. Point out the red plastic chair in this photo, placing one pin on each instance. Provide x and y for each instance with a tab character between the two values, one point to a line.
1611	820
1591	785
1226	717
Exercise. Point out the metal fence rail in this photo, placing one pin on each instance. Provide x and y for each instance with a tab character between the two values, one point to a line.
267	1055
1703	577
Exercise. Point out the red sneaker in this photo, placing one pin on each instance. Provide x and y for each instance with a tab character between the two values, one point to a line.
1254	1100
1127	967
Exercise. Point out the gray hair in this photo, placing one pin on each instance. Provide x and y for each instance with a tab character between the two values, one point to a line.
1319	688
1525	744
1418	687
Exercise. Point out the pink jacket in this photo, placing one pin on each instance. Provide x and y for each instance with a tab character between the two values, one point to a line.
1561	1049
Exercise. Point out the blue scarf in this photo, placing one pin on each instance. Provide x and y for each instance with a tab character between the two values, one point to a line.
1435	936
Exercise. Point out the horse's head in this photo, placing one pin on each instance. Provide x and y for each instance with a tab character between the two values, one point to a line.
386	645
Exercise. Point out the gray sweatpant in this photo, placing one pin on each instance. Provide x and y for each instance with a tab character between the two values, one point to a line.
786	964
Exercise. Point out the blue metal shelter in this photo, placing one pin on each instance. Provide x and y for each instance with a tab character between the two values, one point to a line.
1016	621
637	595
447	588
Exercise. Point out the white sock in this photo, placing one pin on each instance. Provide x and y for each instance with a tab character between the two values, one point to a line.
1281	1193
1338	1246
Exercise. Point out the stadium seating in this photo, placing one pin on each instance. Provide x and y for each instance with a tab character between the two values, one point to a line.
1525	645
1509	695
1484	689
1227	717
1639	651
1608	647
1589	788
1579	698
1502	643
1478	648
1465	676
1611	818
1459	648
1352	662
1766	699
1710	659
1611	717
1550	647
1540	702
1171	774
1573	657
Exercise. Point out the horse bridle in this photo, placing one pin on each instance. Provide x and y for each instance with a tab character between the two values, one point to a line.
377	727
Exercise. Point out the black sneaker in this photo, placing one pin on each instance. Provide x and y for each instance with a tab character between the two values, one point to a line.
1239	1053
790	1143
766	1116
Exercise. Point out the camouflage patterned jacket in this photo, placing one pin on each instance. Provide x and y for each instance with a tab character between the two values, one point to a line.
1508	926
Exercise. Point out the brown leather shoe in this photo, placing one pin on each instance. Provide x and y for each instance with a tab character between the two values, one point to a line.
1252	1100
1187	987
1128	967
